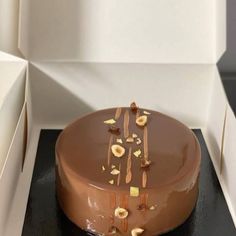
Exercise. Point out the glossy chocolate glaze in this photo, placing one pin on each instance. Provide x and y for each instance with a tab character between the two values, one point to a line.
171	181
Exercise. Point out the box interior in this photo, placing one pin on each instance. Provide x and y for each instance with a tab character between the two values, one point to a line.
162	31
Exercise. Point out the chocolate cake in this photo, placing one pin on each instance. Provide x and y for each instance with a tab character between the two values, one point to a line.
127	171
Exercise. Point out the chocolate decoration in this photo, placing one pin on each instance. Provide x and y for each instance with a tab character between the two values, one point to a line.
114	130
84	192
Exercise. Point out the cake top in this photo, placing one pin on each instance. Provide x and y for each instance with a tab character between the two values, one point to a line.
128	147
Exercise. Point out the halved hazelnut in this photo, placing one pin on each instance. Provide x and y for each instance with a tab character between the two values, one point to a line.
137	231
141	120
117	150
111	181
130	139
114	130
115	172
121	213
137	153
110	121
133	107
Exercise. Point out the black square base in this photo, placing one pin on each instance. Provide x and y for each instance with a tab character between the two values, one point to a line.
43	217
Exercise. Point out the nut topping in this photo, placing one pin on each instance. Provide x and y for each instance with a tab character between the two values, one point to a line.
138	141
119	140
121	213
112	230
103	168
152	208
117	150
146	113
133	107
134	191
134	135
136	231
137	153
115	172
111	181
130	139
110	122
141	120
114	130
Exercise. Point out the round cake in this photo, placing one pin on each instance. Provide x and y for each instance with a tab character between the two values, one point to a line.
127	171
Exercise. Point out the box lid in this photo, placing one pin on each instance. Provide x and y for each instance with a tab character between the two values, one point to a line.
163	31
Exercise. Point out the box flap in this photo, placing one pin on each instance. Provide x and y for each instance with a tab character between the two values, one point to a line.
12	95
164	31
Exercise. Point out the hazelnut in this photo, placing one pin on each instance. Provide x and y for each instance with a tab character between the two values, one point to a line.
115	172
141	120
119	140
111	181
136	231
110	122
130	139
117	150
134	135
121	213
152	208
146	113
137	153
138	141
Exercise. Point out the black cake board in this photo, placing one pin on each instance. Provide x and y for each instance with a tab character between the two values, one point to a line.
211	216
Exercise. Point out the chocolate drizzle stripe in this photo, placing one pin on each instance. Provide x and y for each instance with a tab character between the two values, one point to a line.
112	220
112	206
119	176
137	113
113	200
129	164
109	151
142	198
124	204
118	113
144	202
125	225
126	124
145	142
144	179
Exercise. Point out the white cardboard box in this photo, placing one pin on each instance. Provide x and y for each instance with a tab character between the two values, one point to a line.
86	55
